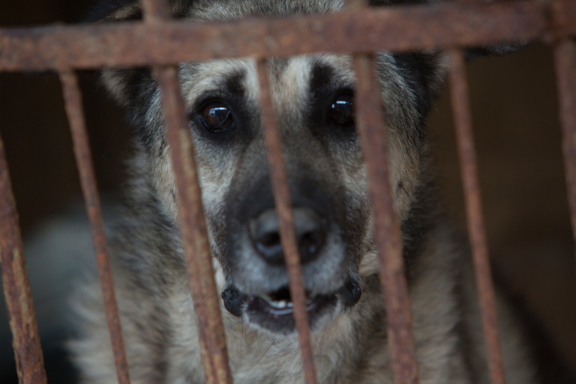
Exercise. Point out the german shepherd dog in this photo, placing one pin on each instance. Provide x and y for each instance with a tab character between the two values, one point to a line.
313	98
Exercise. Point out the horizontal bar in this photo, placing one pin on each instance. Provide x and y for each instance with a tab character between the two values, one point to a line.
159	43
283	204
472	198
16	286
75	113
193	230
373	136
565	60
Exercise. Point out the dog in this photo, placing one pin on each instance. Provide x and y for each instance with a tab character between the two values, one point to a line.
313	99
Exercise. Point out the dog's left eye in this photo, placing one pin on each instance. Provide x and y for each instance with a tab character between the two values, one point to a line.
341	110
216	117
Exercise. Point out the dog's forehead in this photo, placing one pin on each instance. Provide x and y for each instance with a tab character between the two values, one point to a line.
290	78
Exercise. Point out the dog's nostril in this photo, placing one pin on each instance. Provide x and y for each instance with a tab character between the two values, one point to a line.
310	244
265	234
268	246
310	234
269	239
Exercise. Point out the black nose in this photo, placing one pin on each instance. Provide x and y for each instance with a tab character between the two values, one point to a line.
310	234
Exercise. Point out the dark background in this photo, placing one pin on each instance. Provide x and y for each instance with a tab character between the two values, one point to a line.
517	134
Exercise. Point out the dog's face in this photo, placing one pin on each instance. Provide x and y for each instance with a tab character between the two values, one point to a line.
313	96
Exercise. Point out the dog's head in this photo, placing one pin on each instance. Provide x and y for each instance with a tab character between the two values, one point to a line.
313	99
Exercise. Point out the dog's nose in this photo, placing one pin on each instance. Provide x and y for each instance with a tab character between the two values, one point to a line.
310	235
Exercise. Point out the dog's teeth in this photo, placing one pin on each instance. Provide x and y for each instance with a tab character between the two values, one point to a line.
279	304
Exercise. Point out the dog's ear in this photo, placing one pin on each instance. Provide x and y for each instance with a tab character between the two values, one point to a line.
122	83
128	84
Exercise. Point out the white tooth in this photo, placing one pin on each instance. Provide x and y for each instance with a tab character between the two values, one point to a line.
278	304
281	304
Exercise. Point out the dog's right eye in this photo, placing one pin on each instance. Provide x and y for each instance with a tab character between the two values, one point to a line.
216	117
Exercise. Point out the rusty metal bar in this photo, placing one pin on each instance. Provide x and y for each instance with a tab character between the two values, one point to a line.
565	60
355	5
476	233
287	235
384	28
387	234
192	222
75	113
372	133
156	10
193	230
16	286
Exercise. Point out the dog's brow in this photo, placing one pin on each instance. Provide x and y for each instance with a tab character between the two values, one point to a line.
321	79
234	82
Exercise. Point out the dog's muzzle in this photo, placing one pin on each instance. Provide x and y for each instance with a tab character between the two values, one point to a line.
257	279
273	309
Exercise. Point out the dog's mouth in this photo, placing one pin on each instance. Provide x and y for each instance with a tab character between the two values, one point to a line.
275	311
279	303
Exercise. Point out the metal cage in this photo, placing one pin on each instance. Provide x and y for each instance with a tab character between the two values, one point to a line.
444	26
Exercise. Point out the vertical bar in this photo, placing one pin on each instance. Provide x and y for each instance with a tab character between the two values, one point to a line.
156	10
467	153
191	218
16	286
283	204
193	230
75	113
387	232
565	60
355	5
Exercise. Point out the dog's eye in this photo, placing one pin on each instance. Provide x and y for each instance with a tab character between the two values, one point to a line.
216	117
341	111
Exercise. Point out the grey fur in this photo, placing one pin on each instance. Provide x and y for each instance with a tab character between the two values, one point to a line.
327	172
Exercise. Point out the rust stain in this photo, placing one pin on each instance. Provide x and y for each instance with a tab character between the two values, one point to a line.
358	31
16	286
283	204
386	229
193	230
394	29
191	218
